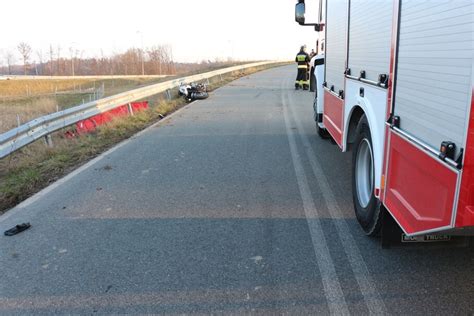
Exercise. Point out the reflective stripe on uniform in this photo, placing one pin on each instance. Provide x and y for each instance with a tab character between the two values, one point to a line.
302	67
302	83
301	57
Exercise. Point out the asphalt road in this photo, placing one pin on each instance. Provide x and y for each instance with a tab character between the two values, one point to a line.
231	206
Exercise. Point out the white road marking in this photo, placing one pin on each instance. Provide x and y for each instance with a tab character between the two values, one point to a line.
367	286
257	259
332	288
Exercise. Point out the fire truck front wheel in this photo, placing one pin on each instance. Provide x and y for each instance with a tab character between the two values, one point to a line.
322	132
367	206
312	81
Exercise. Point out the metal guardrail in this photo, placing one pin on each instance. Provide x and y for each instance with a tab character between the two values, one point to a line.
33	130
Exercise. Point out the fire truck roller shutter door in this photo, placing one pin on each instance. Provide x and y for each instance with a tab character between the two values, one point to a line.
433	83
370	38
336	43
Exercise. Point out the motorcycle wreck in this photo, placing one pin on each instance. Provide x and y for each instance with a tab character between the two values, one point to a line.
193	91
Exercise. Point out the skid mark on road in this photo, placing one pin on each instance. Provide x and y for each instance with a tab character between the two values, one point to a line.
366	284
332	287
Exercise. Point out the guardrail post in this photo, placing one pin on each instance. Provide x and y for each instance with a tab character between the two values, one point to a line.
221	77
48	141
168	94
130	109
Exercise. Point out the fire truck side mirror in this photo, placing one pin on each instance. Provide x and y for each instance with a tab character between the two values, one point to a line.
300	10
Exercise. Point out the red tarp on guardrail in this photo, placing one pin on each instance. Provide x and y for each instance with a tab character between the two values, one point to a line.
89	125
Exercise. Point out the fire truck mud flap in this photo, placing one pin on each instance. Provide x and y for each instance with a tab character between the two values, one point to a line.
392	236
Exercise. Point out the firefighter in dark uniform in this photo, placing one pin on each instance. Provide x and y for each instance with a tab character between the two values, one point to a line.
303	60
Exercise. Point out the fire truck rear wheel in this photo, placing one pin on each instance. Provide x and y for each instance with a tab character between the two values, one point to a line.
367	206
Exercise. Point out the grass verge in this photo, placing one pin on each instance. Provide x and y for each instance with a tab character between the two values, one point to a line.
33	168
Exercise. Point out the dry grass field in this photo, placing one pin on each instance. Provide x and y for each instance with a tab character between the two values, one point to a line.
33	87
24	111
22	88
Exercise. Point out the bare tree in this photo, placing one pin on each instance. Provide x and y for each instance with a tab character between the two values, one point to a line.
161	59
39	54
51	57
1	60
154	53
10	59
74	52
25	52
79	61
58	70
130	61
167	57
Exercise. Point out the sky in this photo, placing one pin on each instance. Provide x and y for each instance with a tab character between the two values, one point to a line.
195	29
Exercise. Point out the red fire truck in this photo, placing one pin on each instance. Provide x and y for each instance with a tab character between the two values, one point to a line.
394	84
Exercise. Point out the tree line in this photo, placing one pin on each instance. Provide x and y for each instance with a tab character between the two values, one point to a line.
155	60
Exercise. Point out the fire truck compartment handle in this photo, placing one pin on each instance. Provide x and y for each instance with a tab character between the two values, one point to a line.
337	95
371	82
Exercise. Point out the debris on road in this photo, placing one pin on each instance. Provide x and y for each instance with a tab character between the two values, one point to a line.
17	229
107	167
